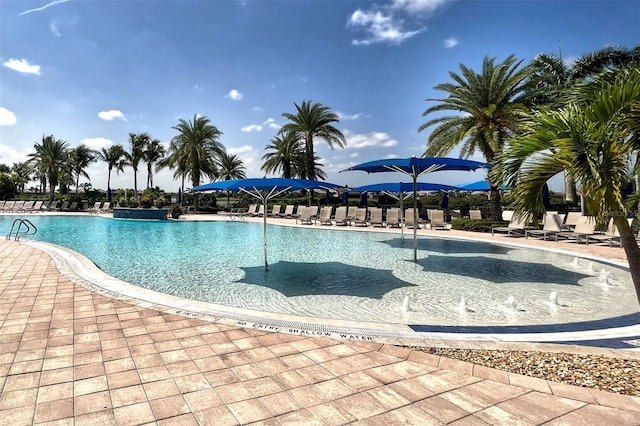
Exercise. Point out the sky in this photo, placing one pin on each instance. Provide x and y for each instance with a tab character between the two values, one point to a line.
91	72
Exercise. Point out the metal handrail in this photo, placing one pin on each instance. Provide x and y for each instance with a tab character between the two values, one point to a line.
31	229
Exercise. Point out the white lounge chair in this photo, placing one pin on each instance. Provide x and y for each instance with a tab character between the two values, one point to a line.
552	225
361	217
586	226
325	215
409	220
340	218
393	218
375	216
437	220
516	227
611	235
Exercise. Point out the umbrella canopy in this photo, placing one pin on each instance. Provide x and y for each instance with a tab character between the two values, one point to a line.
481	185
264	189
398	190
415	167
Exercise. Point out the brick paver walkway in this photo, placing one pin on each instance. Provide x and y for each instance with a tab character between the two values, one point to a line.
70	356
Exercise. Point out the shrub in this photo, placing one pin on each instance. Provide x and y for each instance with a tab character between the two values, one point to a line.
475	225
145	202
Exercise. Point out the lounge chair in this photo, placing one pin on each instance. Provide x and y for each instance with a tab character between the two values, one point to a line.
27	206
236	213
361	217
437	220
516	227
106	207
393	218
455	214
375	216
17	207
552	225
8	206
275	210
351	213
586	226
288	211
507	215
571	220
53	205
409	221
340	218
325	215
611	235
64	206
72	207
37	207
475	214
252	210
95	209
306	215
260	211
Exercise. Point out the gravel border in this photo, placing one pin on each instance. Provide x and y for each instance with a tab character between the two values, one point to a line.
617	375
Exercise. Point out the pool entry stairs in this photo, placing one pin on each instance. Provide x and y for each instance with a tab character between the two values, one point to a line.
21	227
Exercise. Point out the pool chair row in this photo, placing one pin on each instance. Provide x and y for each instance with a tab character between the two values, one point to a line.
33	206
570	227
100	207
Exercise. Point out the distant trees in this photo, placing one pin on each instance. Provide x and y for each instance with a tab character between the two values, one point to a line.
50	158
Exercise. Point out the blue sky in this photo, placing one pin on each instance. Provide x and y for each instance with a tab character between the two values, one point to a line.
93	71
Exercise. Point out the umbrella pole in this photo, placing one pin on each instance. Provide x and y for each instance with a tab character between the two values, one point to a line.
264	230
415	218
401	216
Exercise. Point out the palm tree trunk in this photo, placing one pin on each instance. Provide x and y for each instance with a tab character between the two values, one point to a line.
309	157
494	198
109	179
631	249
135	184
77	183
570	195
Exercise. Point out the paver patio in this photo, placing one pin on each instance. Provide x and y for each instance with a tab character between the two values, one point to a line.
70	356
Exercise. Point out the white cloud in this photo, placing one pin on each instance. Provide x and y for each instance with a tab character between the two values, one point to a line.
53	3
373	139
451	42
418	5
381	27
257	109
22	65
7	118
111	114
343	116
391	23
252	128
97	143
271	123
54	29
234	94
8	155
237	150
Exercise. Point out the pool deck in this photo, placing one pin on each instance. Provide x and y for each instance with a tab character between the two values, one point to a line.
70	354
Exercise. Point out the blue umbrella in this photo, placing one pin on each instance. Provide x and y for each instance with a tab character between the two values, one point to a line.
445	201
398	190
264	189
415	167
363	199
481	185
345	197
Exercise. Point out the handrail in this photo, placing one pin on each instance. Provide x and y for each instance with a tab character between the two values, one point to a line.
31	229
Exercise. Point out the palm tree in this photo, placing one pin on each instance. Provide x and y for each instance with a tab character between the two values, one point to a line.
133	157
21	175
488	111
153	152
286	150
114	157
230	166
79	159
551	80
195	148
313	120
51	156
175	162
591	139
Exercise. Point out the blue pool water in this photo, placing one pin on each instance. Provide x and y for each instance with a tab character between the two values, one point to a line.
325	273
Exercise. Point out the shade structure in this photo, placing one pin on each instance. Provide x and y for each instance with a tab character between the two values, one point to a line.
264	189
416	167
481	185
399	191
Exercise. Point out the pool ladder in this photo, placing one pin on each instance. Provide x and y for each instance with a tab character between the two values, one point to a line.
21	227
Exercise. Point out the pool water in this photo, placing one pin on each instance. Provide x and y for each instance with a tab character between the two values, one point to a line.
362	276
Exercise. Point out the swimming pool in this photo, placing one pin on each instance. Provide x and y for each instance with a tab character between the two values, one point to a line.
361	276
